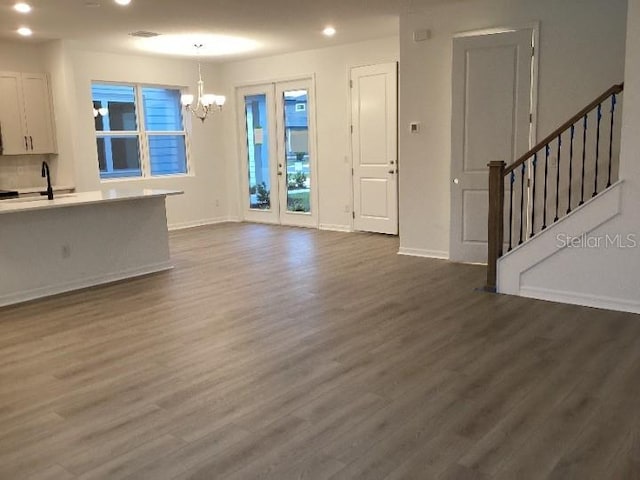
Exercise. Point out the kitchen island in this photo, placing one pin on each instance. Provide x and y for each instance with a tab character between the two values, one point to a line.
80	240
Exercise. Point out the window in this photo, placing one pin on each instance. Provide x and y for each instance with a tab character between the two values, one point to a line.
134	145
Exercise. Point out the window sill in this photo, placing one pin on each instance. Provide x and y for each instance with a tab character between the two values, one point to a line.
177	176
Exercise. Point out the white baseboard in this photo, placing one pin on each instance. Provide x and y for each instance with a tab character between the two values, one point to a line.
26	296
335	228
202	223
574	298
418	252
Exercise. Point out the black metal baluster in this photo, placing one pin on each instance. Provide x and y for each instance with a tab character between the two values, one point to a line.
595	181
513	180
573	133
522	215
558	179
614	101
533	196
546	173
584	156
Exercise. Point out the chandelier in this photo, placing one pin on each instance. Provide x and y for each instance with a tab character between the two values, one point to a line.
206	103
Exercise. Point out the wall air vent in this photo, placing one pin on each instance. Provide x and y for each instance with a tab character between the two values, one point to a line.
144	34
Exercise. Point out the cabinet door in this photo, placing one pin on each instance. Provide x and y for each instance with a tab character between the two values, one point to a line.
12	121
37	106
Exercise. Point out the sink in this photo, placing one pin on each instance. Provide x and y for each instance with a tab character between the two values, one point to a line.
38	199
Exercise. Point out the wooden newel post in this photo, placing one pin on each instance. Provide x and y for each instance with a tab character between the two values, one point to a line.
496	220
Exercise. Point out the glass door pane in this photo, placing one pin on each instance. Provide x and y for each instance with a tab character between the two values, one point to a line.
297	166
258	160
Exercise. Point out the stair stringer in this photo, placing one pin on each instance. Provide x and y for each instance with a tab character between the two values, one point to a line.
581	221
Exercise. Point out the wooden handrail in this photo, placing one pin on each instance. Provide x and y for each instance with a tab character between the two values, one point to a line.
616	89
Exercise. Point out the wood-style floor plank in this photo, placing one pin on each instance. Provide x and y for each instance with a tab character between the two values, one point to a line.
283	353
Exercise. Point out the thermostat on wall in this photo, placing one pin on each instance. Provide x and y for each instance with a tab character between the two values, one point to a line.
414	127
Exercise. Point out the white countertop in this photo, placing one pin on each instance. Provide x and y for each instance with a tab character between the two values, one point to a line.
82	198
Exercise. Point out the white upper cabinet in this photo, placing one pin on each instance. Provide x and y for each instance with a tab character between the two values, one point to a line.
12	122
37	108
26	120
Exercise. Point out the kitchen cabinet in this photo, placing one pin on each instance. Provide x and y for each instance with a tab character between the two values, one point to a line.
26	120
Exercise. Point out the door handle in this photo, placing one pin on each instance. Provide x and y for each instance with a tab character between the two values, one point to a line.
392	172
26	143
280	174
31	140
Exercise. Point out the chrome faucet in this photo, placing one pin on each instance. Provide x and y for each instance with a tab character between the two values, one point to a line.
47	174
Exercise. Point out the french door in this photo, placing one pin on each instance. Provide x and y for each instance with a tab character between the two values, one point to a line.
279	181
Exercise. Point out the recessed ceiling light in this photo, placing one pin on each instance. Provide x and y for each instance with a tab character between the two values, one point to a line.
25	31
22	7
123	2
329	32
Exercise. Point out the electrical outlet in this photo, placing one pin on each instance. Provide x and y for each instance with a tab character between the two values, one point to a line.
347	209
217	203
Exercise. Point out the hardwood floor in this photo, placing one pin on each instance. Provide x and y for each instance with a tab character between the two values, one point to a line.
295	354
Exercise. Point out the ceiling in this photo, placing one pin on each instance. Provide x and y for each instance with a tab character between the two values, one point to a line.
276	26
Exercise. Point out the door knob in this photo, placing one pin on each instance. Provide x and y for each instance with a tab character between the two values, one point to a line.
456	181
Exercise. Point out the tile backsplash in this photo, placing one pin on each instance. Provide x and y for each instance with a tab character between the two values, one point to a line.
21	171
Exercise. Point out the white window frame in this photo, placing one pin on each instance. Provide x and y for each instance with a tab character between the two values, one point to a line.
143	135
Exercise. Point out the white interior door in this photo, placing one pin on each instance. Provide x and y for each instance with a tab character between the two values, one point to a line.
374	111
279	175
492	108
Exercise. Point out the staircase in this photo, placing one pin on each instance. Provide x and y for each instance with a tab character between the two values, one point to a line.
560	190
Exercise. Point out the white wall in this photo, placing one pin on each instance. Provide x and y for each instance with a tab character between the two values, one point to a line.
581	55
62	86
331	69
607	277
21	57
212	193
205	198
71	70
